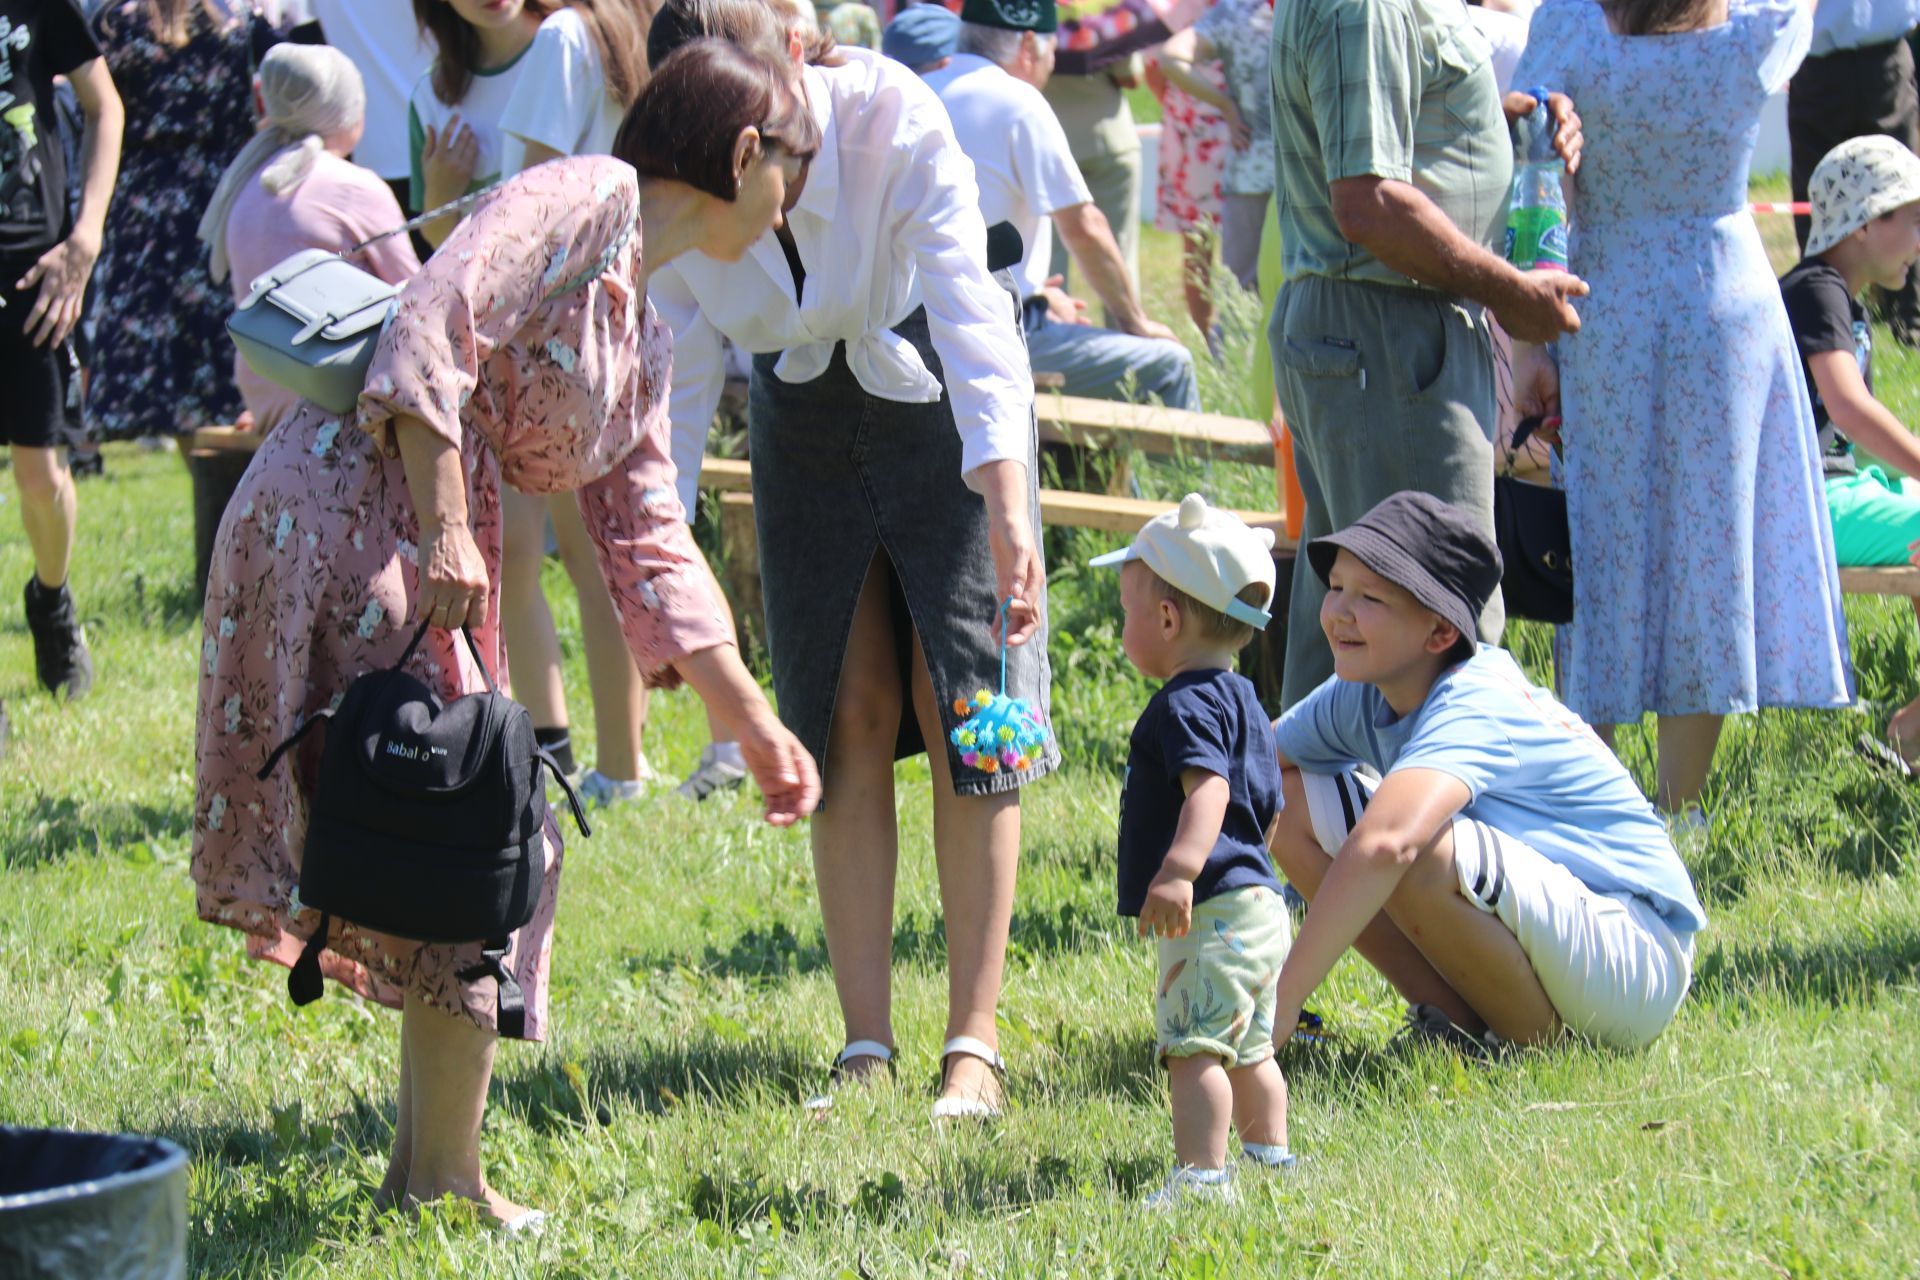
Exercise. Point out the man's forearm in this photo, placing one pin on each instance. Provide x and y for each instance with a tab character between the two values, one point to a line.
1406	231
1091	242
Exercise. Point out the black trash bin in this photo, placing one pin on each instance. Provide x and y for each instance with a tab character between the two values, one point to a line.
99	1206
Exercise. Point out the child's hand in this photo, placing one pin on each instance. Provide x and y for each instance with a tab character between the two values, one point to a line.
1168	910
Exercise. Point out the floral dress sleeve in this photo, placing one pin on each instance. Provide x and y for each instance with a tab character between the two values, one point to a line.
512	255
669	605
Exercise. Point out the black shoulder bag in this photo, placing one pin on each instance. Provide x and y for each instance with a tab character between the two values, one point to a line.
426	822
1536	545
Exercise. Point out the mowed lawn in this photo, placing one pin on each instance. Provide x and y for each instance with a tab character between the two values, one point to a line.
1770	1132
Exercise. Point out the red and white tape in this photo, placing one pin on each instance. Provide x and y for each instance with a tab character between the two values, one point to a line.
1789	206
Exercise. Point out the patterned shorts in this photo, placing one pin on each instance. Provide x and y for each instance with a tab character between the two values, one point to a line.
1217	984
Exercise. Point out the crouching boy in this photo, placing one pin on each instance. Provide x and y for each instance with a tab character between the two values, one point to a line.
1866	230
1201	789
1495	863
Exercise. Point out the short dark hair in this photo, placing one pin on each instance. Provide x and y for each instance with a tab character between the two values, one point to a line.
683	124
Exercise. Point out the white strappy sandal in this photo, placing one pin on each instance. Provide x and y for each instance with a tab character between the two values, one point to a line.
968	1108
823	1101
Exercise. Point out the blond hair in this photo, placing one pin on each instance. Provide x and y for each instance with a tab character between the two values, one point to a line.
1213	625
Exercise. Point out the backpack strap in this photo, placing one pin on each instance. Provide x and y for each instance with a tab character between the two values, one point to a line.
303	980
510	1009
325	713
573	800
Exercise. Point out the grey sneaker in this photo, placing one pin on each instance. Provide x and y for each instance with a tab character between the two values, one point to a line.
1186	1183
597	789
721	768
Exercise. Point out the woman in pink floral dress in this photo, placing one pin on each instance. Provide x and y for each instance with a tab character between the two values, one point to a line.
1194	146
346	533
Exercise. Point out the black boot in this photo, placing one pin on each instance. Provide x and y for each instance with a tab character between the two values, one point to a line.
59	649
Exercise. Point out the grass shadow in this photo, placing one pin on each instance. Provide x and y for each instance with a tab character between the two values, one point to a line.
775	953
552	1092
48	828
990	1184
263	1195
1828	972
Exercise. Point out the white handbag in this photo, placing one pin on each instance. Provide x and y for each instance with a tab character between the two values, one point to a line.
311	323
316	332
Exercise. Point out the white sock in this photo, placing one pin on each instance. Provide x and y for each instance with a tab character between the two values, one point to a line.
1272	1155
729	753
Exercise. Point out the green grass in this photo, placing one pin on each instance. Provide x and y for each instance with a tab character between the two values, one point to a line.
1771	1131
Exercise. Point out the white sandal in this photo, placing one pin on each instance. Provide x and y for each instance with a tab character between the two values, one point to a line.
968	1108
823	1101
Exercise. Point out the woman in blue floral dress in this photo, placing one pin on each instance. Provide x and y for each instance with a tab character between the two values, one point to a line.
1704	579
162	362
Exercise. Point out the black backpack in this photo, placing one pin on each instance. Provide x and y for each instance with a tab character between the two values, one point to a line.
426	822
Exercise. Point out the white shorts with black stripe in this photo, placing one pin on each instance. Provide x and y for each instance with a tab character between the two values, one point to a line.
1614	970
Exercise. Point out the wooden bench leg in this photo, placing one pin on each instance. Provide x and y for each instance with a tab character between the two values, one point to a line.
740	542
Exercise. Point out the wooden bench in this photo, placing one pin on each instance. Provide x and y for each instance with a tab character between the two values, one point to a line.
217	455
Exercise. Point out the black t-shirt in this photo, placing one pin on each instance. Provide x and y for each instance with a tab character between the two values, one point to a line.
1825	317
39	39
1199	720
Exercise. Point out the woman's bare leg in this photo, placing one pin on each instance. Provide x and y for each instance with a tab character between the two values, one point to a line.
450	1061
526	623
619	693
856	837
976	844
1687	745
393	1188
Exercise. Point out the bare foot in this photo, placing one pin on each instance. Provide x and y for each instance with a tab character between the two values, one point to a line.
494	1208
969	1079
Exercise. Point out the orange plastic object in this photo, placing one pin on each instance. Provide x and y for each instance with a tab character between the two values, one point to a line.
1286	480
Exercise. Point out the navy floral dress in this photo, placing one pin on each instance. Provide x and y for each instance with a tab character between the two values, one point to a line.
162	361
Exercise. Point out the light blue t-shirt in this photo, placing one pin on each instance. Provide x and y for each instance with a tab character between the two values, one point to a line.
1534	771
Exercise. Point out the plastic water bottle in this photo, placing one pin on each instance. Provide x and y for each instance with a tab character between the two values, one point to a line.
1537	216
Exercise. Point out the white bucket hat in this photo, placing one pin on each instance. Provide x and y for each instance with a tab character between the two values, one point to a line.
1210	554
1856	182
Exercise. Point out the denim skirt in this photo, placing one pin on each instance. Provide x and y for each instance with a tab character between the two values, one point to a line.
840	476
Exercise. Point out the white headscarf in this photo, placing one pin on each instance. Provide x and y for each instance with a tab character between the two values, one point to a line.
310	91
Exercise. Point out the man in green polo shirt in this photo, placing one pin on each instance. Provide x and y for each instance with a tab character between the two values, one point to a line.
1395	162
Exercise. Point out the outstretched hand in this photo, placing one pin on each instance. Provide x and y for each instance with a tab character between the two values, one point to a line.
783	770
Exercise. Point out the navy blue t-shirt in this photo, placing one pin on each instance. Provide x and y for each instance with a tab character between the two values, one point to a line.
1199	720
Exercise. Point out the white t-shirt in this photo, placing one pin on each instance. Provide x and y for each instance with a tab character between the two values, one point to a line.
562	100
381	39
889	221
1507	34
1021	157
481	110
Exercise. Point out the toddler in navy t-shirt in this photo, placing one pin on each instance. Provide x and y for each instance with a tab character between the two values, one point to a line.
1202	787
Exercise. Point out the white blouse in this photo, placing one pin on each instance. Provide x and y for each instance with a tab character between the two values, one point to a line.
889	219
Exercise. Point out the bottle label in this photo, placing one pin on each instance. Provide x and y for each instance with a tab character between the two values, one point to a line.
1537	238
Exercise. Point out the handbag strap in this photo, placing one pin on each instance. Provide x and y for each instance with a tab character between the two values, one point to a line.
473	647
1523	431
461	205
